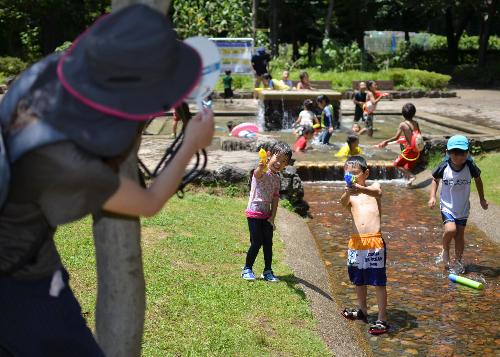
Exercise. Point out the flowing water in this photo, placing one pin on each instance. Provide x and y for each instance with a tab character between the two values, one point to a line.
428	314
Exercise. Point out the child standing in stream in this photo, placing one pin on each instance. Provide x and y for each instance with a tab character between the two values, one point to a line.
366	254
456	171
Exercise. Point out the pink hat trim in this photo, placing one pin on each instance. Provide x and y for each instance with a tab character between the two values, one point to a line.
107	110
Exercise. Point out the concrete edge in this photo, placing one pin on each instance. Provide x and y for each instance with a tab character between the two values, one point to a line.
303	257
457	124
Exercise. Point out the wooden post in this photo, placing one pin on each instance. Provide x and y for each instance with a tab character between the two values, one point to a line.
120	303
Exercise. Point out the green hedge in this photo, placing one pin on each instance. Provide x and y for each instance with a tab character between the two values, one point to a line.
477	76
403	78
11	66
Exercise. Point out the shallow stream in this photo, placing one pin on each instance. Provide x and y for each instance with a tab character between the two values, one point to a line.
428	314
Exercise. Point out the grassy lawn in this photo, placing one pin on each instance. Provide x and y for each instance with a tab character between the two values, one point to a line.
490	171
197	304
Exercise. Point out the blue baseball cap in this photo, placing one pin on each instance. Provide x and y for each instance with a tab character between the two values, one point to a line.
458	142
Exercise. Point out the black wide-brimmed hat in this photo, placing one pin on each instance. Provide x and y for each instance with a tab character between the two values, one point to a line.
130	65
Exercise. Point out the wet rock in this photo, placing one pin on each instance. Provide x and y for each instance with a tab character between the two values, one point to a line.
438	145
446	94
234	144
433	94
405	94
292	189
396	95
411	351
417	93
230	174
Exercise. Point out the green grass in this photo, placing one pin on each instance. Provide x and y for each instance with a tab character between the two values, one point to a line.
197	304
490	171
435	159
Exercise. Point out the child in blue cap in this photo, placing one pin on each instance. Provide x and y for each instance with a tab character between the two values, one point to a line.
456	171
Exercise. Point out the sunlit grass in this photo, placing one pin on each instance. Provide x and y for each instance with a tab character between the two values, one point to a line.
197	304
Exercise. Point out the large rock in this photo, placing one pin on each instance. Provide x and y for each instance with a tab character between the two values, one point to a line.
446	94
292	189
417	93
236	144
434	94
230	174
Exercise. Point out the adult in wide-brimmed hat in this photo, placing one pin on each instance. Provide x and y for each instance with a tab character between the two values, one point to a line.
63	119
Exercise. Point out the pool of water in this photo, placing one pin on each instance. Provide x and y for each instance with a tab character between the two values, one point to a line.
385	126
428	314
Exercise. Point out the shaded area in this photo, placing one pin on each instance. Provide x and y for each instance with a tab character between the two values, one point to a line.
428	314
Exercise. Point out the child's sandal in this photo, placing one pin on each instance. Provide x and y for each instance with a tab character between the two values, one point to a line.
378	327
354	314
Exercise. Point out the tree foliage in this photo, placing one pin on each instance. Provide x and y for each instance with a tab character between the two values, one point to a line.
215	18
31	28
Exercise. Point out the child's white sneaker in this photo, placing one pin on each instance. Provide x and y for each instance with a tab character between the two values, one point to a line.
247	274
268	275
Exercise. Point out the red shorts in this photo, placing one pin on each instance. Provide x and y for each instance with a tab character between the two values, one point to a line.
407	159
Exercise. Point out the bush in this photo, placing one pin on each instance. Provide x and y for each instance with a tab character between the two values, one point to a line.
474	75
65	45
341	58
11	66
466	42
403	78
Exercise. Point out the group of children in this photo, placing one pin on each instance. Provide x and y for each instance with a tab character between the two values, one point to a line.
308	124
366	258
267	82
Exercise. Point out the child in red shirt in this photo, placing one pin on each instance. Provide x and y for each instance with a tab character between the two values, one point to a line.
306	135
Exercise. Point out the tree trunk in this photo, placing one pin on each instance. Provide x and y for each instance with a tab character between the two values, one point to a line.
255	7
274	26
328	19
120	303
485	32
295	50
452	36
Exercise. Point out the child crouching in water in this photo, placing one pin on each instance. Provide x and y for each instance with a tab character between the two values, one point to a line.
306	133
350	148
262	206
366	253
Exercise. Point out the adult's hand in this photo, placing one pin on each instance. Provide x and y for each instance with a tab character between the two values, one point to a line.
200	130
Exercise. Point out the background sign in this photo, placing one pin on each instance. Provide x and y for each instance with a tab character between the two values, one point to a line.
236	54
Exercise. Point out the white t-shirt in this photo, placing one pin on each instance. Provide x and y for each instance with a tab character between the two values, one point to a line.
455	190
306	118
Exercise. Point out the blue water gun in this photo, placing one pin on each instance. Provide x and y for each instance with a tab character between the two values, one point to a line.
350	179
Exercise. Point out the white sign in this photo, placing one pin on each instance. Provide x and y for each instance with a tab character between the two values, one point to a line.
236	54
